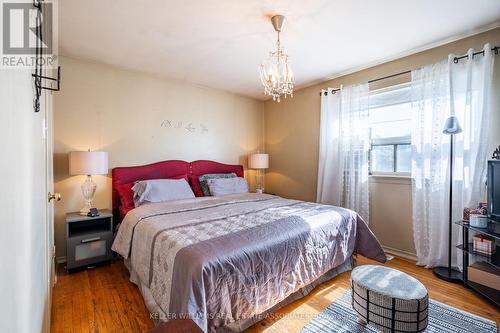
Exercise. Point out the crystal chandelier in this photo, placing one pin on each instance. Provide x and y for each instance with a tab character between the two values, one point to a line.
275	72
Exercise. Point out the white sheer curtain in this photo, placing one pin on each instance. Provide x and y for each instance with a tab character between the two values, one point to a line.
438	91
430	151
343	149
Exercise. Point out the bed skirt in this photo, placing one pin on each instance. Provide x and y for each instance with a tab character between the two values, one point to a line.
241	325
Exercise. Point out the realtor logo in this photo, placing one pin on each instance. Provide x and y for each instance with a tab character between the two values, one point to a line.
20	40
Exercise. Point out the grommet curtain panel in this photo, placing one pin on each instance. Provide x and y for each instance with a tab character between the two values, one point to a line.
438	91
343	149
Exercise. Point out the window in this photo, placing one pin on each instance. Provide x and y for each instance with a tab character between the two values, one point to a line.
390	131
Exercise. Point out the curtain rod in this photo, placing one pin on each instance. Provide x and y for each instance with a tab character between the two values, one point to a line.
495	49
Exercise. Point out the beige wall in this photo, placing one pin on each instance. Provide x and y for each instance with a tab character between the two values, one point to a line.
126	113
292	133
106	108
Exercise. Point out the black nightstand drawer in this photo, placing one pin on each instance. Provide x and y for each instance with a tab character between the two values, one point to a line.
89	249
88	239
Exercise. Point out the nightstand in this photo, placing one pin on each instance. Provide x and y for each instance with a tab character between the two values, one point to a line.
88	239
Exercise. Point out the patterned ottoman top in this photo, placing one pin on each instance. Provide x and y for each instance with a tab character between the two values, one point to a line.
388	281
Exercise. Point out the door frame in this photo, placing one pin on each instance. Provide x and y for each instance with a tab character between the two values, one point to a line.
50	274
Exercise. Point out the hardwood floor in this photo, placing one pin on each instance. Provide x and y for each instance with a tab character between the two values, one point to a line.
103	300
98	300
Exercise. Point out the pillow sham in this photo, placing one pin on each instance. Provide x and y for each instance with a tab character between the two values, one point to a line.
203	180
224	186
126	195
161	190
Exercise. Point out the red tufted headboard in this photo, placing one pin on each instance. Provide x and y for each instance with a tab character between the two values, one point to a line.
164	170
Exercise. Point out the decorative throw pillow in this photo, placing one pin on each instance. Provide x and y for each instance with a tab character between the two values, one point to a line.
194	181
203	180
161	190
126	195
224	186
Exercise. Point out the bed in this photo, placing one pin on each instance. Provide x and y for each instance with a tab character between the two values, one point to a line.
225	262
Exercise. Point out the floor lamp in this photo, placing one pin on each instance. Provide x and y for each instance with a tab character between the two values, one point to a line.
451	274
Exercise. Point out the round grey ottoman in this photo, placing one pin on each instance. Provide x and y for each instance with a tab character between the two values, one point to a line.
390	300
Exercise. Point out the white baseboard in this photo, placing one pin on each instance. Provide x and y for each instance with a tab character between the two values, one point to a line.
400	253
61	260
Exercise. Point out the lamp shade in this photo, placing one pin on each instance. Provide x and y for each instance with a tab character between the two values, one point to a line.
452	126
258	161
88	163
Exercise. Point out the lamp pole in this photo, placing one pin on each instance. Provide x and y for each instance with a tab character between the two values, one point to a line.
449	273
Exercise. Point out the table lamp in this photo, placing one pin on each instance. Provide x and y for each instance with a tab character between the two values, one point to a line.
88	163
259	162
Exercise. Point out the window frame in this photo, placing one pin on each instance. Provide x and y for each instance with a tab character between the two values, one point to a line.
394	164
389	141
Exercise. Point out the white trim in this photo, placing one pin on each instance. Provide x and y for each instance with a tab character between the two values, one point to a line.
391	140
403	54
390	88
390	179
400	253
398	174
61	260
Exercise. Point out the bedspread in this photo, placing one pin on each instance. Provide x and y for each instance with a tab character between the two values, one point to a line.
218	260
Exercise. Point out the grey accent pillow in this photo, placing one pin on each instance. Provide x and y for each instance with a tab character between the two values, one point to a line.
203	180
224	186
160	190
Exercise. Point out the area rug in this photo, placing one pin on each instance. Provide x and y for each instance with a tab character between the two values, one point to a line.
340	317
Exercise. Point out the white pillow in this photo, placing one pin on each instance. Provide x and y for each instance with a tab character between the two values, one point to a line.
225	186
160	190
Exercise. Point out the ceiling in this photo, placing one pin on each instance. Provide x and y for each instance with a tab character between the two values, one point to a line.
219	43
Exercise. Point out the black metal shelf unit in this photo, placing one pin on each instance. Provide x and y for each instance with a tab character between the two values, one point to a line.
467	250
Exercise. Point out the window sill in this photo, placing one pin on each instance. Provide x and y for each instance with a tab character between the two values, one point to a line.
391	179
390	175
